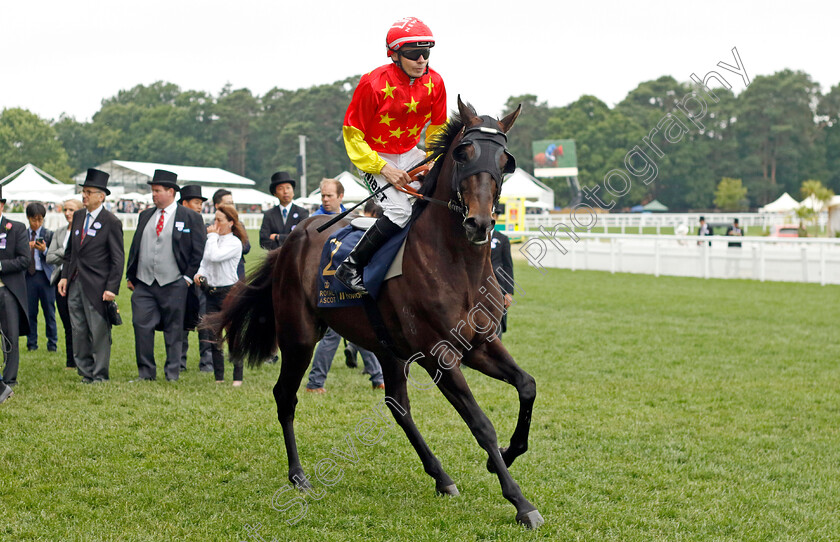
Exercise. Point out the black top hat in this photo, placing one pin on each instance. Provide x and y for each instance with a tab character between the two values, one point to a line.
191	191
97	179
279	178
165	178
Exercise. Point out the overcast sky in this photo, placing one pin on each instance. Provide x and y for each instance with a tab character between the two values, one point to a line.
65	57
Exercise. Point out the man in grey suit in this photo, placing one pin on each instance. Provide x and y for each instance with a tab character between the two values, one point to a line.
164	256
90	278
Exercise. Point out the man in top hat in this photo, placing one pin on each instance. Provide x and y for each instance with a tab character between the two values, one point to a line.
14	319
90	279
196	305
164	256
279	222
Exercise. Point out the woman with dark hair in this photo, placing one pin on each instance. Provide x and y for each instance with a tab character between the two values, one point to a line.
217	275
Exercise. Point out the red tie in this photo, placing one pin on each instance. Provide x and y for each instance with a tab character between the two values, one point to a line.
159	227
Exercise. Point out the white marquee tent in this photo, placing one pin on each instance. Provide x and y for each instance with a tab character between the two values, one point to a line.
785	204
520	184
354	190
30	183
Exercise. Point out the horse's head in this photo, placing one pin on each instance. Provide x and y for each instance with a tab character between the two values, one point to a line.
481	158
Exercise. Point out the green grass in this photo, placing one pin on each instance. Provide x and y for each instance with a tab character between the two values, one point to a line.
667	409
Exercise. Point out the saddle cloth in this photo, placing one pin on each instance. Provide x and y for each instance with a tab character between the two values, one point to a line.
385	264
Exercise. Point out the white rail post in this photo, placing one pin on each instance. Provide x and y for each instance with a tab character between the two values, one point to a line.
822	264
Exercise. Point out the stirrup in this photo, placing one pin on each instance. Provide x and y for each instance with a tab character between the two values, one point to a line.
348	275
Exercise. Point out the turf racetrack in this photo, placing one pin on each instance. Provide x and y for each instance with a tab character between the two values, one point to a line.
667	409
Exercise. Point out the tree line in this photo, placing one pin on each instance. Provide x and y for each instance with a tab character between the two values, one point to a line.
777	133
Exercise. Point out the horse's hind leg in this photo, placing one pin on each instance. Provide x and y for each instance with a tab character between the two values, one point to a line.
493	359
455	389
295	360
397	400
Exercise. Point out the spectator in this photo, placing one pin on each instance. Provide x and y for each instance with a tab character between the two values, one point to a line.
93	268
279	222
735	230
55	257
38	289
704	229
162	261
14	261
503	269
222	196
332	194
196	303
733	259
217	275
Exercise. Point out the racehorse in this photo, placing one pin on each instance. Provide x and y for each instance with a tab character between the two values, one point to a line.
446	275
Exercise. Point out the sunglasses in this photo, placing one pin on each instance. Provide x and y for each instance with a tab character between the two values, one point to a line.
414	54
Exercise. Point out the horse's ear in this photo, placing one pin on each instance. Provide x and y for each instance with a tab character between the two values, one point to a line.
466	112
508	121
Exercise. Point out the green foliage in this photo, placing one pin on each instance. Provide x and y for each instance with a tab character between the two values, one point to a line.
730	195
26	138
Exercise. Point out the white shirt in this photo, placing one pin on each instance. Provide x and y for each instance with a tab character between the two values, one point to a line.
221	257
169	212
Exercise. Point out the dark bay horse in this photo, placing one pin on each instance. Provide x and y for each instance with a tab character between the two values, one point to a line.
430	310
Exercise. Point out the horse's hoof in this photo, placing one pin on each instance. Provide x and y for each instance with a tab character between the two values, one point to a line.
531	520
450	490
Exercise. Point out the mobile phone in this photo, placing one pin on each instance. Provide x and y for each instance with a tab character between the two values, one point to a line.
39	239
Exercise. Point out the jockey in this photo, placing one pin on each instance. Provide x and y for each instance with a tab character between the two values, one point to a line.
382	126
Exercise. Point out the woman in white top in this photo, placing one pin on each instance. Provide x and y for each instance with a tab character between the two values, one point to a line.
55	256
217	275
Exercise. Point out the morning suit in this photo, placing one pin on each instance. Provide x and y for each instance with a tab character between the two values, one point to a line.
93	263
14	319
273	222
157	267
38	289
502	268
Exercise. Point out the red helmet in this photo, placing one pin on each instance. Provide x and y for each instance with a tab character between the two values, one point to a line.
408	30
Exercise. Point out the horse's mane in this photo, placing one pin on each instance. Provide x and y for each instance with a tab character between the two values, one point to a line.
438	147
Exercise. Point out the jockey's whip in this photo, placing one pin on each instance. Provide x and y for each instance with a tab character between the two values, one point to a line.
423	168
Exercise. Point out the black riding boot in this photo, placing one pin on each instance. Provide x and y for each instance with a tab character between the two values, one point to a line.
350	270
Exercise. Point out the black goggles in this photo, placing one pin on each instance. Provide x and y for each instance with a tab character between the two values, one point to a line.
414	54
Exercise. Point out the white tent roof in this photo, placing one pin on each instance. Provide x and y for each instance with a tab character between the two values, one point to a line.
784	204
520	184
186	174
30	183
243	196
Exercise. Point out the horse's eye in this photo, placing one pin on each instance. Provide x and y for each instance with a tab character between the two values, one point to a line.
463	153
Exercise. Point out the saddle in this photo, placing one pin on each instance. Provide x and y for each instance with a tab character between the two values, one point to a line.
385	264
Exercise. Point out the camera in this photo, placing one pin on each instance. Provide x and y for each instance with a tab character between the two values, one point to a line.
202	282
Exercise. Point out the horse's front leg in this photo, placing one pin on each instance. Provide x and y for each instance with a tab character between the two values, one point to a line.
455	389
493	359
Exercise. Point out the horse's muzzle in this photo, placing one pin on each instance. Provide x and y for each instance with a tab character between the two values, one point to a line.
478	229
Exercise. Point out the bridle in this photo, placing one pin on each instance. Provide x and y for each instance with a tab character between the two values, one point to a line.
488	144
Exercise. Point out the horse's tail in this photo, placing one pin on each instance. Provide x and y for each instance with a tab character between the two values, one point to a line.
246	320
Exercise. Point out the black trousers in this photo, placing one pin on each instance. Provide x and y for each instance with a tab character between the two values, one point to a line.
214	305
10	325
64	314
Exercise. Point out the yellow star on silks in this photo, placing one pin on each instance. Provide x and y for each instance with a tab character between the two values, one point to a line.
388	90
414	131
429	85
429	115
412	105
378	140
397	133
385	119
